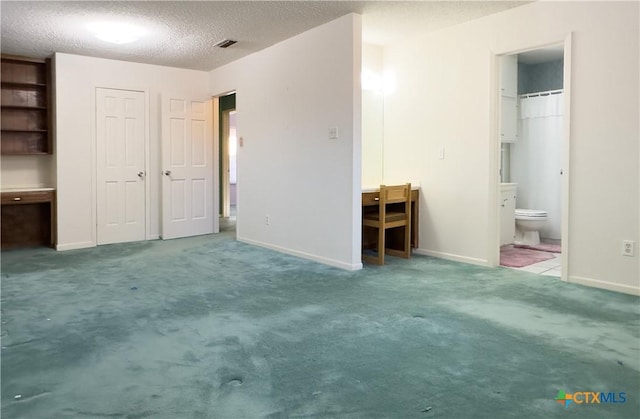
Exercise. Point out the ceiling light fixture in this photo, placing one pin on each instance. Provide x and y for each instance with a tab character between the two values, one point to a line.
116	32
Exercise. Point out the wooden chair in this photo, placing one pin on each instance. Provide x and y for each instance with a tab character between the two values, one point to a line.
394	211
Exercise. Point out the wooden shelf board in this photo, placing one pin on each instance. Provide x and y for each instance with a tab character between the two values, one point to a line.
10	84
24	130
18	59
34	108
31	153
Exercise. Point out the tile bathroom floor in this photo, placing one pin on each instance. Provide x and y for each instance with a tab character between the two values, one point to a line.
551	267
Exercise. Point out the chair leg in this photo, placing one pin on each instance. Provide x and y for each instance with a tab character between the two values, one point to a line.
405	251
407	241
379	258
381	246
374	260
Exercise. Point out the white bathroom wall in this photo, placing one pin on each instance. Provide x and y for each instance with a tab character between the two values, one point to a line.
444	85
299	190
76	80
372	116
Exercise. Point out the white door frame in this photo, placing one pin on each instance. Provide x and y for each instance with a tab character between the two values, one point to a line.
224	159
225	185
94	161
217	150
493	250
215	109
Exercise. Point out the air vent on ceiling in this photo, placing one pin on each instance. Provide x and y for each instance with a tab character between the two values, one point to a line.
225	43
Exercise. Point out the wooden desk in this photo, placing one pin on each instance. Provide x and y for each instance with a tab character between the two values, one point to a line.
28	217
370	199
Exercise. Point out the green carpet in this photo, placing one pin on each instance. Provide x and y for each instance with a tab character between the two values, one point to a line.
208	327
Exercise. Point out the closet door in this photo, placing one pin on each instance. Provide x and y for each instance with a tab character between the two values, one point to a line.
120	152
187	162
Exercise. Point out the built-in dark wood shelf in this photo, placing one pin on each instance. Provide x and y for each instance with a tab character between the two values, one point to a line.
25	106
24	142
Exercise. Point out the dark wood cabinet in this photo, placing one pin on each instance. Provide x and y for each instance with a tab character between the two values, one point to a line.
28	218
25	116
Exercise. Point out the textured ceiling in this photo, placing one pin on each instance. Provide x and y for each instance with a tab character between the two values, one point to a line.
183	33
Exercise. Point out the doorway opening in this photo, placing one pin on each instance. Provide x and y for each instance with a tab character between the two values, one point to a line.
228	162
533	160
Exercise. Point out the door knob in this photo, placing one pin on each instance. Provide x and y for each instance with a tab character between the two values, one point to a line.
167	172
141	175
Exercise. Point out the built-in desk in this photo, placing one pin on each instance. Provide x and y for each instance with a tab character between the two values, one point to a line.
394	239
28	217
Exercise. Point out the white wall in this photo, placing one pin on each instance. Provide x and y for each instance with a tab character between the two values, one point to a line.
372	116
27	171
288	96
75	82
445	81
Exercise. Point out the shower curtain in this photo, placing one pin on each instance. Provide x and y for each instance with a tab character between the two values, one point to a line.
536	158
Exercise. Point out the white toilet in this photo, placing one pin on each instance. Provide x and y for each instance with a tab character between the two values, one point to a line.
528	224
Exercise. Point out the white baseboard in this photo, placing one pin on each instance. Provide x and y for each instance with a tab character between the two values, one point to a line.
609	286
84	245
303	255
453	257
589	282
72	246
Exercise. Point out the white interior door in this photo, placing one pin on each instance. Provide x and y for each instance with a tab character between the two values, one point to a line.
120	152
187	162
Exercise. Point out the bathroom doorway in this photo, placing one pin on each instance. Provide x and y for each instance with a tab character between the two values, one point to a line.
533	160
228	160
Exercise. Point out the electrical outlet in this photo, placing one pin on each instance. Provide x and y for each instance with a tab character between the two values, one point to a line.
267	220
628	248
333	133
